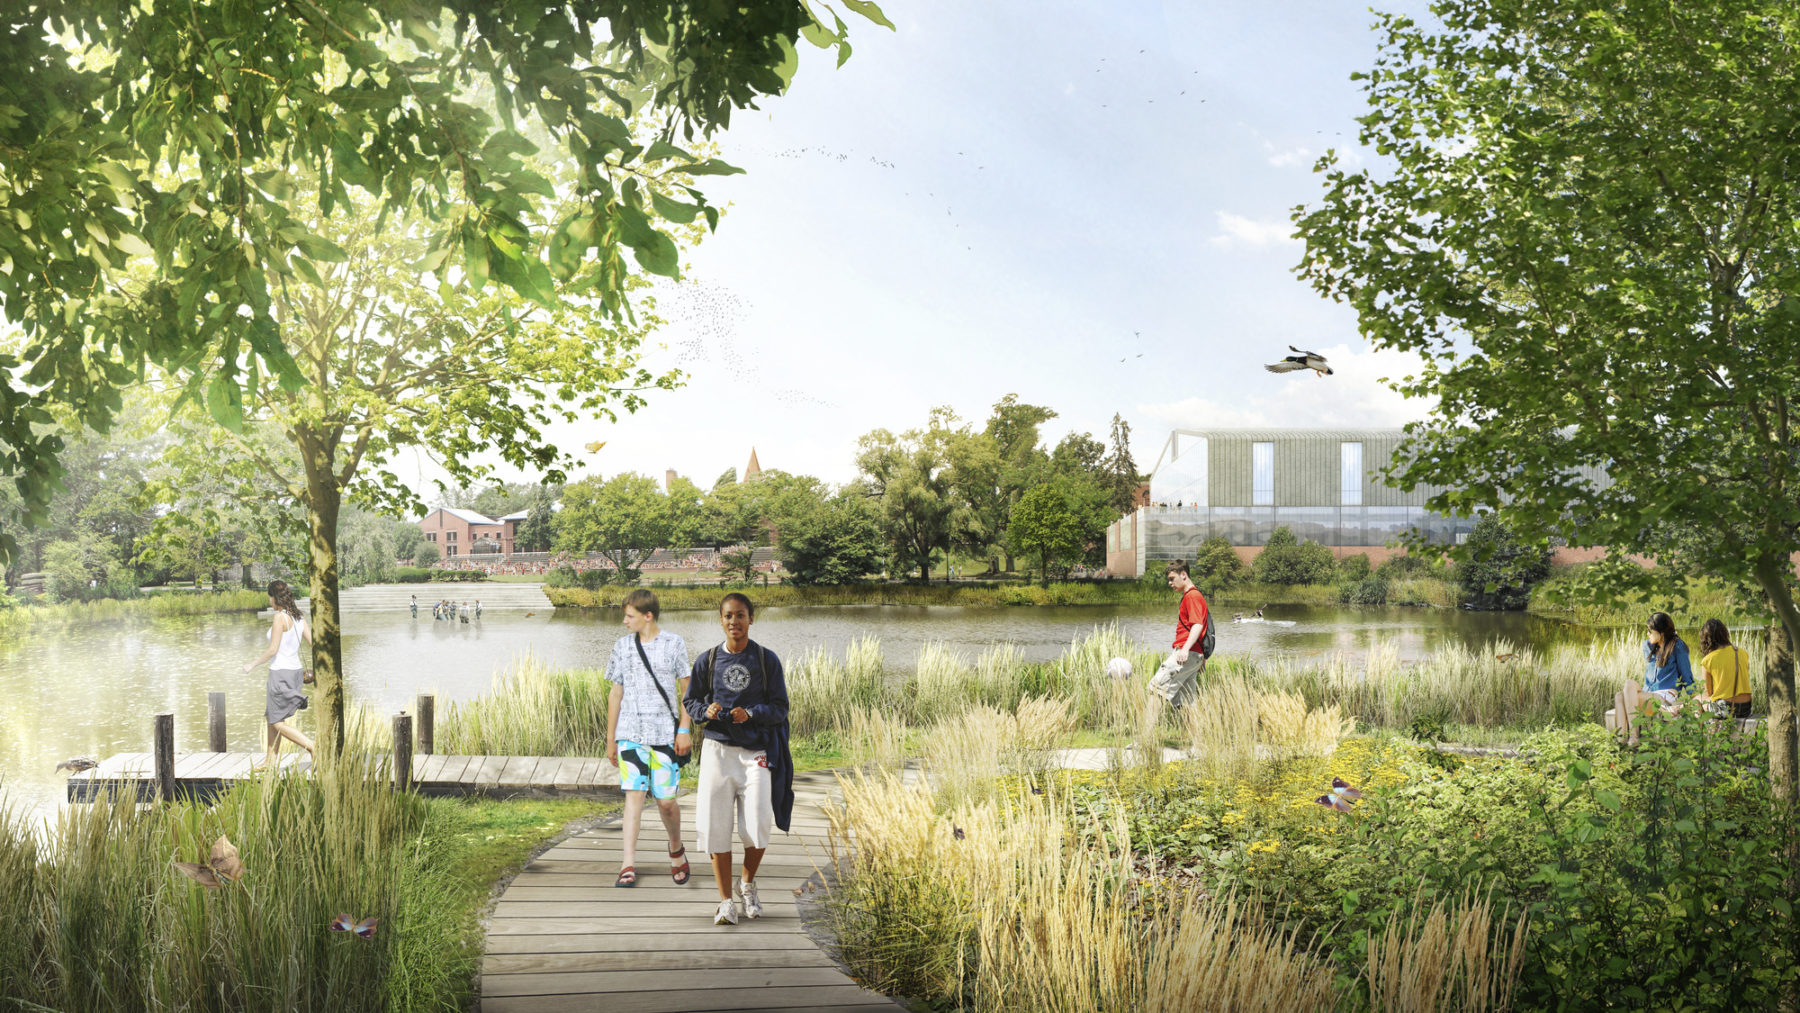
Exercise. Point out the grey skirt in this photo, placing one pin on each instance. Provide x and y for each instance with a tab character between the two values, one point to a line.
284	696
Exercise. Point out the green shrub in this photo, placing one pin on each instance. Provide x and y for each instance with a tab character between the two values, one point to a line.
459	576
426	555
1354	568
411	575
1500	570
1370	590
1404	566
1286	560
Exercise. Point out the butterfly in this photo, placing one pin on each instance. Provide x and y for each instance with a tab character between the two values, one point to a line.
594	448
959	832
1341	787
1333	802
221	866
1507	657
344	923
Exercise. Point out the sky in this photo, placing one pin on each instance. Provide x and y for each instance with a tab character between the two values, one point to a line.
1085	204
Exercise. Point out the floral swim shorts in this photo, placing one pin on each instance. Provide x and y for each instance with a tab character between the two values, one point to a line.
648	768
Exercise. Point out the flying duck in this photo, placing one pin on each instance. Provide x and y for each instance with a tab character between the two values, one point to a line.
1300	360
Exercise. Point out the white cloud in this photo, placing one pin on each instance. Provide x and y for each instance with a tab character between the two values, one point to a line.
1352	397
1236	230
1292	156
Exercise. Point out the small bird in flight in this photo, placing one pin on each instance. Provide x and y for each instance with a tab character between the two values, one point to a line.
1302	360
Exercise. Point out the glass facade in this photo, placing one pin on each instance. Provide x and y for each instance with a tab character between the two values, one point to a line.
1350	474
1176	534
1262	474
1182	479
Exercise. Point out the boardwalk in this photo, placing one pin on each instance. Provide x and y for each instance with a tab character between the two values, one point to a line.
205	774
563	938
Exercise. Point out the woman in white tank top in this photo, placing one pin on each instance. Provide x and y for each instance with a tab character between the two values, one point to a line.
286	671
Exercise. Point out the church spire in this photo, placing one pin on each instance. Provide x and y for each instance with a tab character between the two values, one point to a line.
752	469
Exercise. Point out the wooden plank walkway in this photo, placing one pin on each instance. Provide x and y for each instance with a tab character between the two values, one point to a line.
206	774
563	938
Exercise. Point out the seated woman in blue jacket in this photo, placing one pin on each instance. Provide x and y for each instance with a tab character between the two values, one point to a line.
1668	673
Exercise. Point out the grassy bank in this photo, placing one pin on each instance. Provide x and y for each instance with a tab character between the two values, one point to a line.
1701	600
32	618
994	882
103	921
1422	591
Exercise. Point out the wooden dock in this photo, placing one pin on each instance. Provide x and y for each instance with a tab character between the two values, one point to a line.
563	938
203	775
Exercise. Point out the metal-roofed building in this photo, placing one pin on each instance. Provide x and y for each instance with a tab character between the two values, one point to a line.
1244	483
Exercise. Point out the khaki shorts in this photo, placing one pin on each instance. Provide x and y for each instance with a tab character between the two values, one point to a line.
733	781
1176	682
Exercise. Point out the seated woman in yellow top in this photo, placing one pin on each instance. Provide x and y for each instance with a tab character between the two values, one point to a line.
1726	668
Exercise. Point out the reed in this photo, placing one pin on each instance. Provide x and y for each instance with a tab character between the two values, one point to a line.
824	692
1021	904
875	741
1451	956
1220	726
532	709
102	921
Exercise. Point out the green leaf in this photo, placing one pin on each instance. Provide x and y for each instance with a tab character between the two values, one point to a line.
868	10
118	176
224	402
790	62
129	244
475	260
818	35
319	248
662	149
672	209
710	167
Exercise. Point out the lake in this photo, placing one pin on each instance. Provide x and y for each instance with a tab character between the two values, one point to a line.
91	691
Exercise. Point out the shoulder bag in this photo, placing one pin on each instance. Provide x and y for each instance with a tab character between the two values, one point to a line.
680	760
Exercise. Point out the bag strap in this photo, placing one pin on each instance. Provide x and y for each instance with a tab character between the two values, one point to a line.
654	681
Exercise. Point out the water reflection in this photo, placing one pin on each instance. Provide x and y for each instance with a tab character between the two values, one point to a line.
92	690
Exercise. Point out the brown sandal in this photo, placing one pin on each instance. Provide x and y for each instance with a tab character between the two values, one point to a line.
627	877
679	873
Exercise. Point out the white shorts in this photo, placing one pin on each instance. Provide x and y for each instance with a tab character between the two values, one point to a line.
733	781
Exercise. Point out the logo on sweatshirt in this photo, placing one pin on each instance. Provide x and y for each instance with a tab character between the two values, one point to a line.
735	676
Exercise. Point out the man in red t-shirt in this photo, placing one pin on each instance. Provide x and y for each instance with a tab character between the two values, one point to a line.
1176	679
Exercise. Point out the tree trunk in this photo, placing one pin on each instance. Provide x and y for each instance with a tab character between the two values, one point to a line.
1773	575
323	498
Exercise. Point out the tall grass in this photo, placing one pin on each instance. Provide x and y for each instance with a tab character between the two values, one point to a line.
111	610
102	921
1451	956
1005	901
532	709
823	692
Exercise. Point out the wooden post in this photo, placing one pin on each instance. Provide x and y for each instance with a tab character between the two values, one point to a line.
426	706
164	726
403	751
215	721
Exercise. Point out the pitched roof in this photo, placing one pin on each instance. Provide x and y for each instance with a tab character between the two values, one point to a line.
752	469
519	516
469	515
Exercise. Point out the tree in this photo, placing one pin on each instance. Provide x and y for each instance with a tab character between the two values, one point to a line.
1587	226
910	478
739	563
1287	560
839	542
427	555
389	362
1014	428
1046	521
536	532
85	568
359	94
407	538
1121	471
624	518
1500	570
1216	566
366	547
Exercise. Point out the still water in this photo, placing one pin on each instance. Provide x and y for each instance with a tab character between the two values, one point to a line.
91	691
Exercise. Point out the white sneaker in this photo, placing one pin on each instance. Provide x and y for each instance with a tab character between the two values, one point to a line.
727	913
752	903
